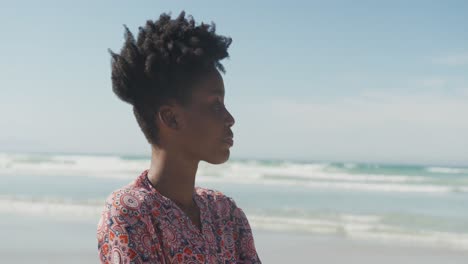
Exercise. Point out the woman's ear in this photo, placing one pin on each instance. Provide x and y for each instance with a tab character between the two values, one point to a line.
168	117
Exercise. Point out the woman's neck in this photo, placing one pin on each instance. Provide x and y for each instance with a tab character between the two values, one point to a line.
173	176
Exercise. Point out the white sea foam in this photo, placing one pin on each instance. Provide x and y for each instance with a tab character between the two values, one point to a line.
57	208
116	167
318	176
350	186
447	170
82	165
298	172
311	175
370	229
361	227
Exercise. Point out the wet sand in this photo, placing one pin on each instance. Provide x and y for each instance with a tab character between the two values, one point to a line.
41	240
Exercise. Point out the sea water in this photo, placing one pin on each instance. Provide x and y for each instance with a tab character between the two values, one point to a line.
404	204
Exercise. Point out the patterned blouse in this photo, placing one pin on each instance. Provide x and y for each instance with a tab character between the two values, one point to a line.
140	225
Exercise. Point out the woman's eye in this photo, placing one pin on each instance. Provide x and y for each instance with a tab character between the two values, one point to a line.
218	106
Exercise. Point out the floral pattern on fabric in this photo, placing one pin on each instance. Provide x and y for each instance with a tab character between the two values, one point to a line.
139	225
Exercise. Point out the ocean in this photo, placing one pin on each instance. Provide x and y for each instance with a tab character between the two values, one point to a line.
46	197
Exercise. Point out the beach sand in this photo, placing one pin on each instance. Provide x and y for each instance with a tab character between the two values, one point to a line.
42	240
280	247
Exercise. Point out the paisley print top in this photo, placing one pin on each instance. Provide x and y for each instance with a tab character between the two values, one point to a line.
140	225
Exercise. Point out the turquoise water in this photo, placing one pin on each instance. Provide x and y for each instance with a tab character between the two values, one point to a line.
426	205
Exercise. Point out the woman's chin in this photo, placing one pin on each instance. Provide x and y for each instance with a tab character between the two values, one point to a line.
222	157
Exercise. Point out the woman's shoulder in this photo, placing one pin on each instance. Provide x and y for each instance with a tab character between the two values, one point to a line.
213	195
219	202
129	202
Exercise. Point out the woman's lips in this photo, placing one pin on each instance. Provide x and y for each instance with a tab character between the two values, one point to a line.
229	141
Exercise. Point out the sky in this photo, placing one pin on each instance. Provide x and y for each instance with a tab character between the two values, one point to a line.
368	81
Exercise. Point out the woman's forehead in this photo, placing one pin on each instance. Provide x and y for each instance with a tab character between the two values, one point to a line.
212	85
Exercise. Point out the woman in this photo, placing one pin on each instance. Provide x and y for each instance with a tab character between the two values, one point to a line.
170	75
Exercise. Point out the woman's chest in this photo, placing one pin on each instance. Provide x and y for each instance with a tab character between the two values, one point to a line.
182	242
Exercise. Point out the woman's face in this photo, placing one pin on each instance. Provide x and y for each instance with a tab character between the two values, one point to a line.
207	131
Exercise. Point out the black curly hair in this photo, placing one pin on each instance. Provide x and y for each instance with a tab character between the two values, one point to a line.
168	57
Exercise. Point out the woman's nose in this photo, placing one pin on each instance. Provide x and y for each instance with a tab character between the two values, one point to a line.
229	120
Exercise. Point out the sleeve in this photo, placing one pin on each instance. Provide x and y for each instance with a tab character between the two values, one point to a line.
124	237
245	246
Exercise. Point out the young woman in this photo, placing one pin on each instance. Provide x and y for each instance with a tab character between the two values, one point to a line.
171	76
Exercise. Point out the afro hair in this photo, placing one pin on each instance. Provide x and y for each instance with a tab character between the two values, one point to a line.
168	56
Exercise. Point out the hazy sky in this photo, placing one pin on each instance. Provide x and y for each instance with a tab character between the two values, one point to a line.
330	80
